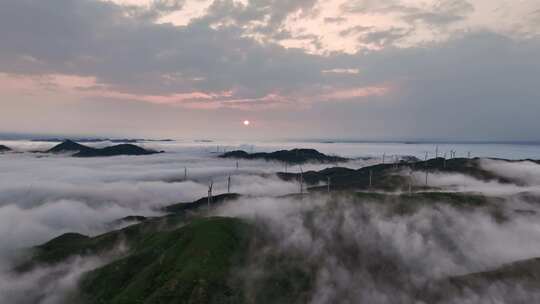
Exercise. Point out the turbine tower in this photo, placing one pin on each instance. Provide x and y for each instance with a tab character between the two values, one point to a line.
328	184
301	181
210	186
410	180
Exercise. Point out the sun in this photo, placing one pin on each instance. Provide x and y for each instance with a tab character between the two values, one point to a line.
246	123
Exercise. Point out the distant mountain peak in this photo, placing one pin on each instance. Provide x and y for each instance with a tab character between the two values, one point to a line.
122	149
78	150
68	145
294	156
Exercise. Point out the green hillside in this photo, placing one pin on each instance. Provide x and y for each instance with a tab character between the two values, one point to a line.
191	264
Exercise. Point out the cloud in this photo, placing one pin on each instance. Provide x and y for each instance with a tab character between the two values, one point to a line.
149	10
526	172
69	60
344	71
355	250
524	175
434	13
57	284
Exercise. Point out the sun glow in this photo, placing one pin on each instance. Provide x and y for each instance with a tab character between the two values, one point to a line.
246	123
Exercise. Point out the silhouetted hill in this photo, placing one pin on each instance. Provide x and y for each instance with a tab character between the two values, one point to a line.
79	150
69	146
4	149
123	149
294	156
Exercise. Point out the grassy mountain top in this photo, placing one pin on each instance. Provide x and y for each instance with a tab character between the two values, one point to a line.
68	245
191	264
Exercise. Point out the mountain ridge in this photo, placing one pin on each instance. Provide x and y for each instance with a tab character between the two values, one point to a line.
78	150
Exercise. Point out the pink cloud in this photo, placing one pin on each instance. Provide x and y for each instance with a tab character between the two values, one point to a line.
172	99
351	93
44	84
88	87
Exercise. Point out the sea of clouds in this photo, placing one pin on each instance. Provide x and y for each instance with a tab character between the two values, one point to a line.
43	196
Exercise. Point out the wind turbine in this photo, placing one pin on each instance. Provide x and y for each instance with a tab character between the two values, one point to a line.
210	186
328	184
444	161
410	181
301	181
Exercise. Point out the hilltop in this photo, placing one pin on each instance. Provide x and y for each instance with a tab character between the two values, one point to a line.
123	149
4	148
68	146
166	262
79	150
294	156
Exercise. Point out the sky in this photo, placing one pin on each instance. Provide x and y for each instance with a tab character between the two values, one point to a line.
346	69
